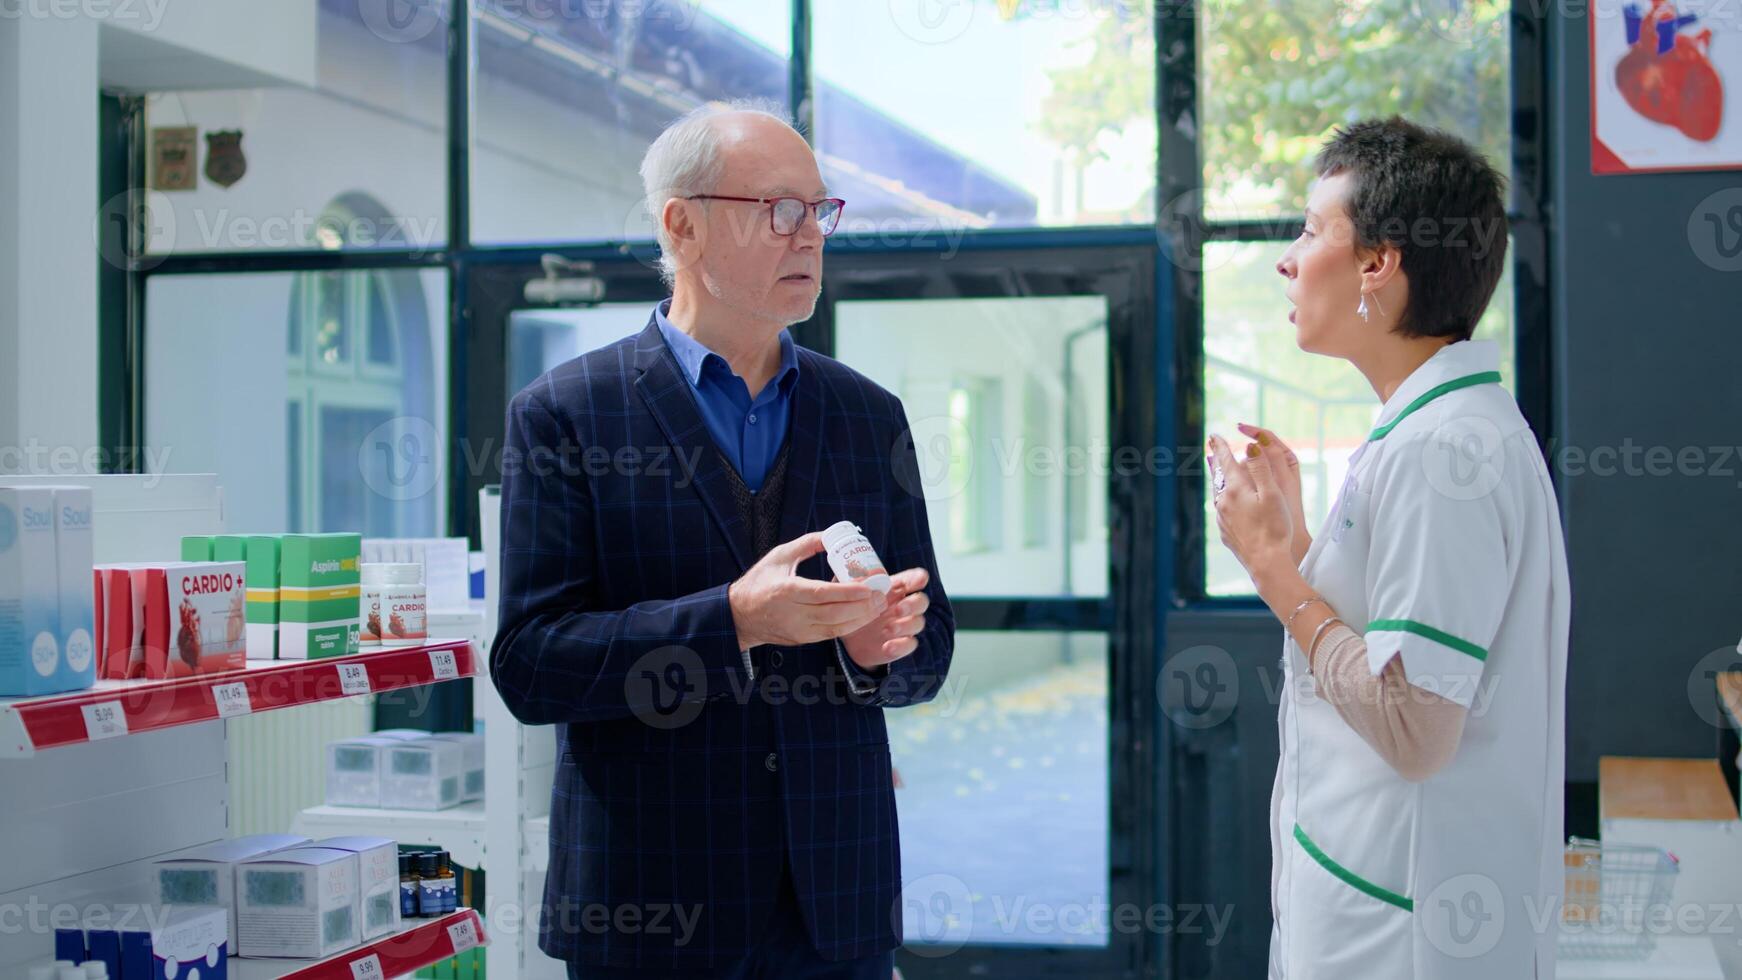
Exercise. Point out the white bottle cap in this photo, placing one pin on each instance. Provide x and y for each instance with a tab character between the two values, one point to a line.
71	973
838	532
96	970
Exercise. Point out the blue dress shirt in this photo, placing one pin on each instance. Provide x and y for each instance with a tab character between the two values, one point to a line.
749	431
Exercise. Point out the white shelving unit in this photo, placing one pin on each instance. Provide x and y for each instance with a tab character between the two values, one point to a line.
97	784
458	830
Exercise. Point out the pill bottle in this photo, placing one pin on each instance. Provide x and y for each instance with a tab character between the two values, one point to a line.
403	620
852	557
369	631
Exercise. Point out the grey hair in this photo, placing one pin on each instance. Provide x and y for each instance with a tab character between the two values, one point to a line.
685	160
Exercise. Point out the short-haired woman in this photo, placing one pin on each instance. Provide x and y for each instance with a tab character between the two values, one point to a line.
1416	816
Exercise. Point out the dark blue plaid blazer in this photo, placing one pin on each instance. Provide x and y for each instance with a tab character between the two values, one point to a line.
688	771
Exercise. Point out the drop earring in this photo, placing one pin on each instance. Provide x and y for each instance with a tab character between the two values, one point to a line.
1362	309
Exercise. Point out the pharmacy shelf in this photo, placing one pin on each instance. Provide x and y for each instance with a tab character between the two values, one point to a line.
118	708
421	943
537	838
458	830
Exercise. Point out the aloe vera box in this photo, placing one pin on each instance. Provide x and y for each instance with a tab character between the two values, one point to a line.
318	595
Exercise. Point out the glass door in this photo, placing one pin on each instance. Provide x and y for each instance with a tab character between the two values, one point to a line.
1022	789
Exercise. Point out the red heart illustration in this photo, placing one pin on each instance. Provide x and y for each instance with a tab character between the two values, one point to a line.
1667	76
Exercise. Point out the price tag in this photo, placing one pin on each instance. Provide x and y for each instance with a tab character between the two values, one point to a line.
104	720
232	699
367	968
464	935
353	679
442	663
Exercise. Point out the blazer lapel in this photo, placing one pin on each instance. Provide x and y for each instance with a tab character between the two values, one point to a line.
804	438
667	394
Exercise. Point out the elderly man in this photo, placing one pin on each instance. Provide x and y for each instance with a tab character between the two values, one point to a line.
723	802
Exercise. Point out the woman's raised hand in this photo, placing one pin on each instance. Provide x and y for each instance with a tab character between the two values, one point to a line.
1286	468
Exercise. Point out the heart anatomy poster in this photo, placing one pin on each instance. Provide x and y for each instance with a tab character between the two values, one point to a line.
1665	76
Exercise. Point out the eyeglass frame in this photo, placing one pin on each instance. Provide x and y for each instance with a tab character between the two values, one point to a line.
810	209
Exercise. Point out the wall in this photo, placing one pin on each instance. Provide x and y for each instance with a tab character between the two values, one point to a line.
48	272
1646	353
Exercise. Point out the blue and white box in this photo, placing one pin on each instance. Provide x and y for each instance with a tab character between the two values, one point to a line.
176	942
74	561
153	941
30	657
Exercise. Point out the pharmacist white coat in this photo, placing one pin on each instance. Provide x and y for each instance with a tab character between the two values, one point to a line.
1444	548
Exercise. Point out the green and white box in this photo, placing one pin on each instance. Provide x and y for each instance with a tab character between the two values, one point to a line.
261	555
318	595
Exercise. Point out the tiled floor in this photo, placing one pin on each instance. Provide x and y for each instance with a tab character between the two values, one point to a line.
1003	810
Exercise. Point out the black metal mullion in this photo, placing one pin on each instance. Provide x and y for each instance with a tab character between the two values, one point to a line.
798	67
459	213
1182	230
1532	336
298	260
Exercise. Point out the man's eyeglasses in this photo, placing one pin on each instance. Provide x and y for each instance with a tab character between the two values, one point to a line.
787	213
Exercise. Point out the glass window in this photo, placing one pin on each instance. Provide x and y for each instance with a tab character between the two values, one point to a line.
1253	372
965	370
952	116
567	97
1002	790
323	128
1275	79
539	340
355	444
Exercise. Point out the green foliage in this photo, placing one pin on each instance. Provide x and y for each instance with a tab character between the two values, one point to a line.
1276	78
